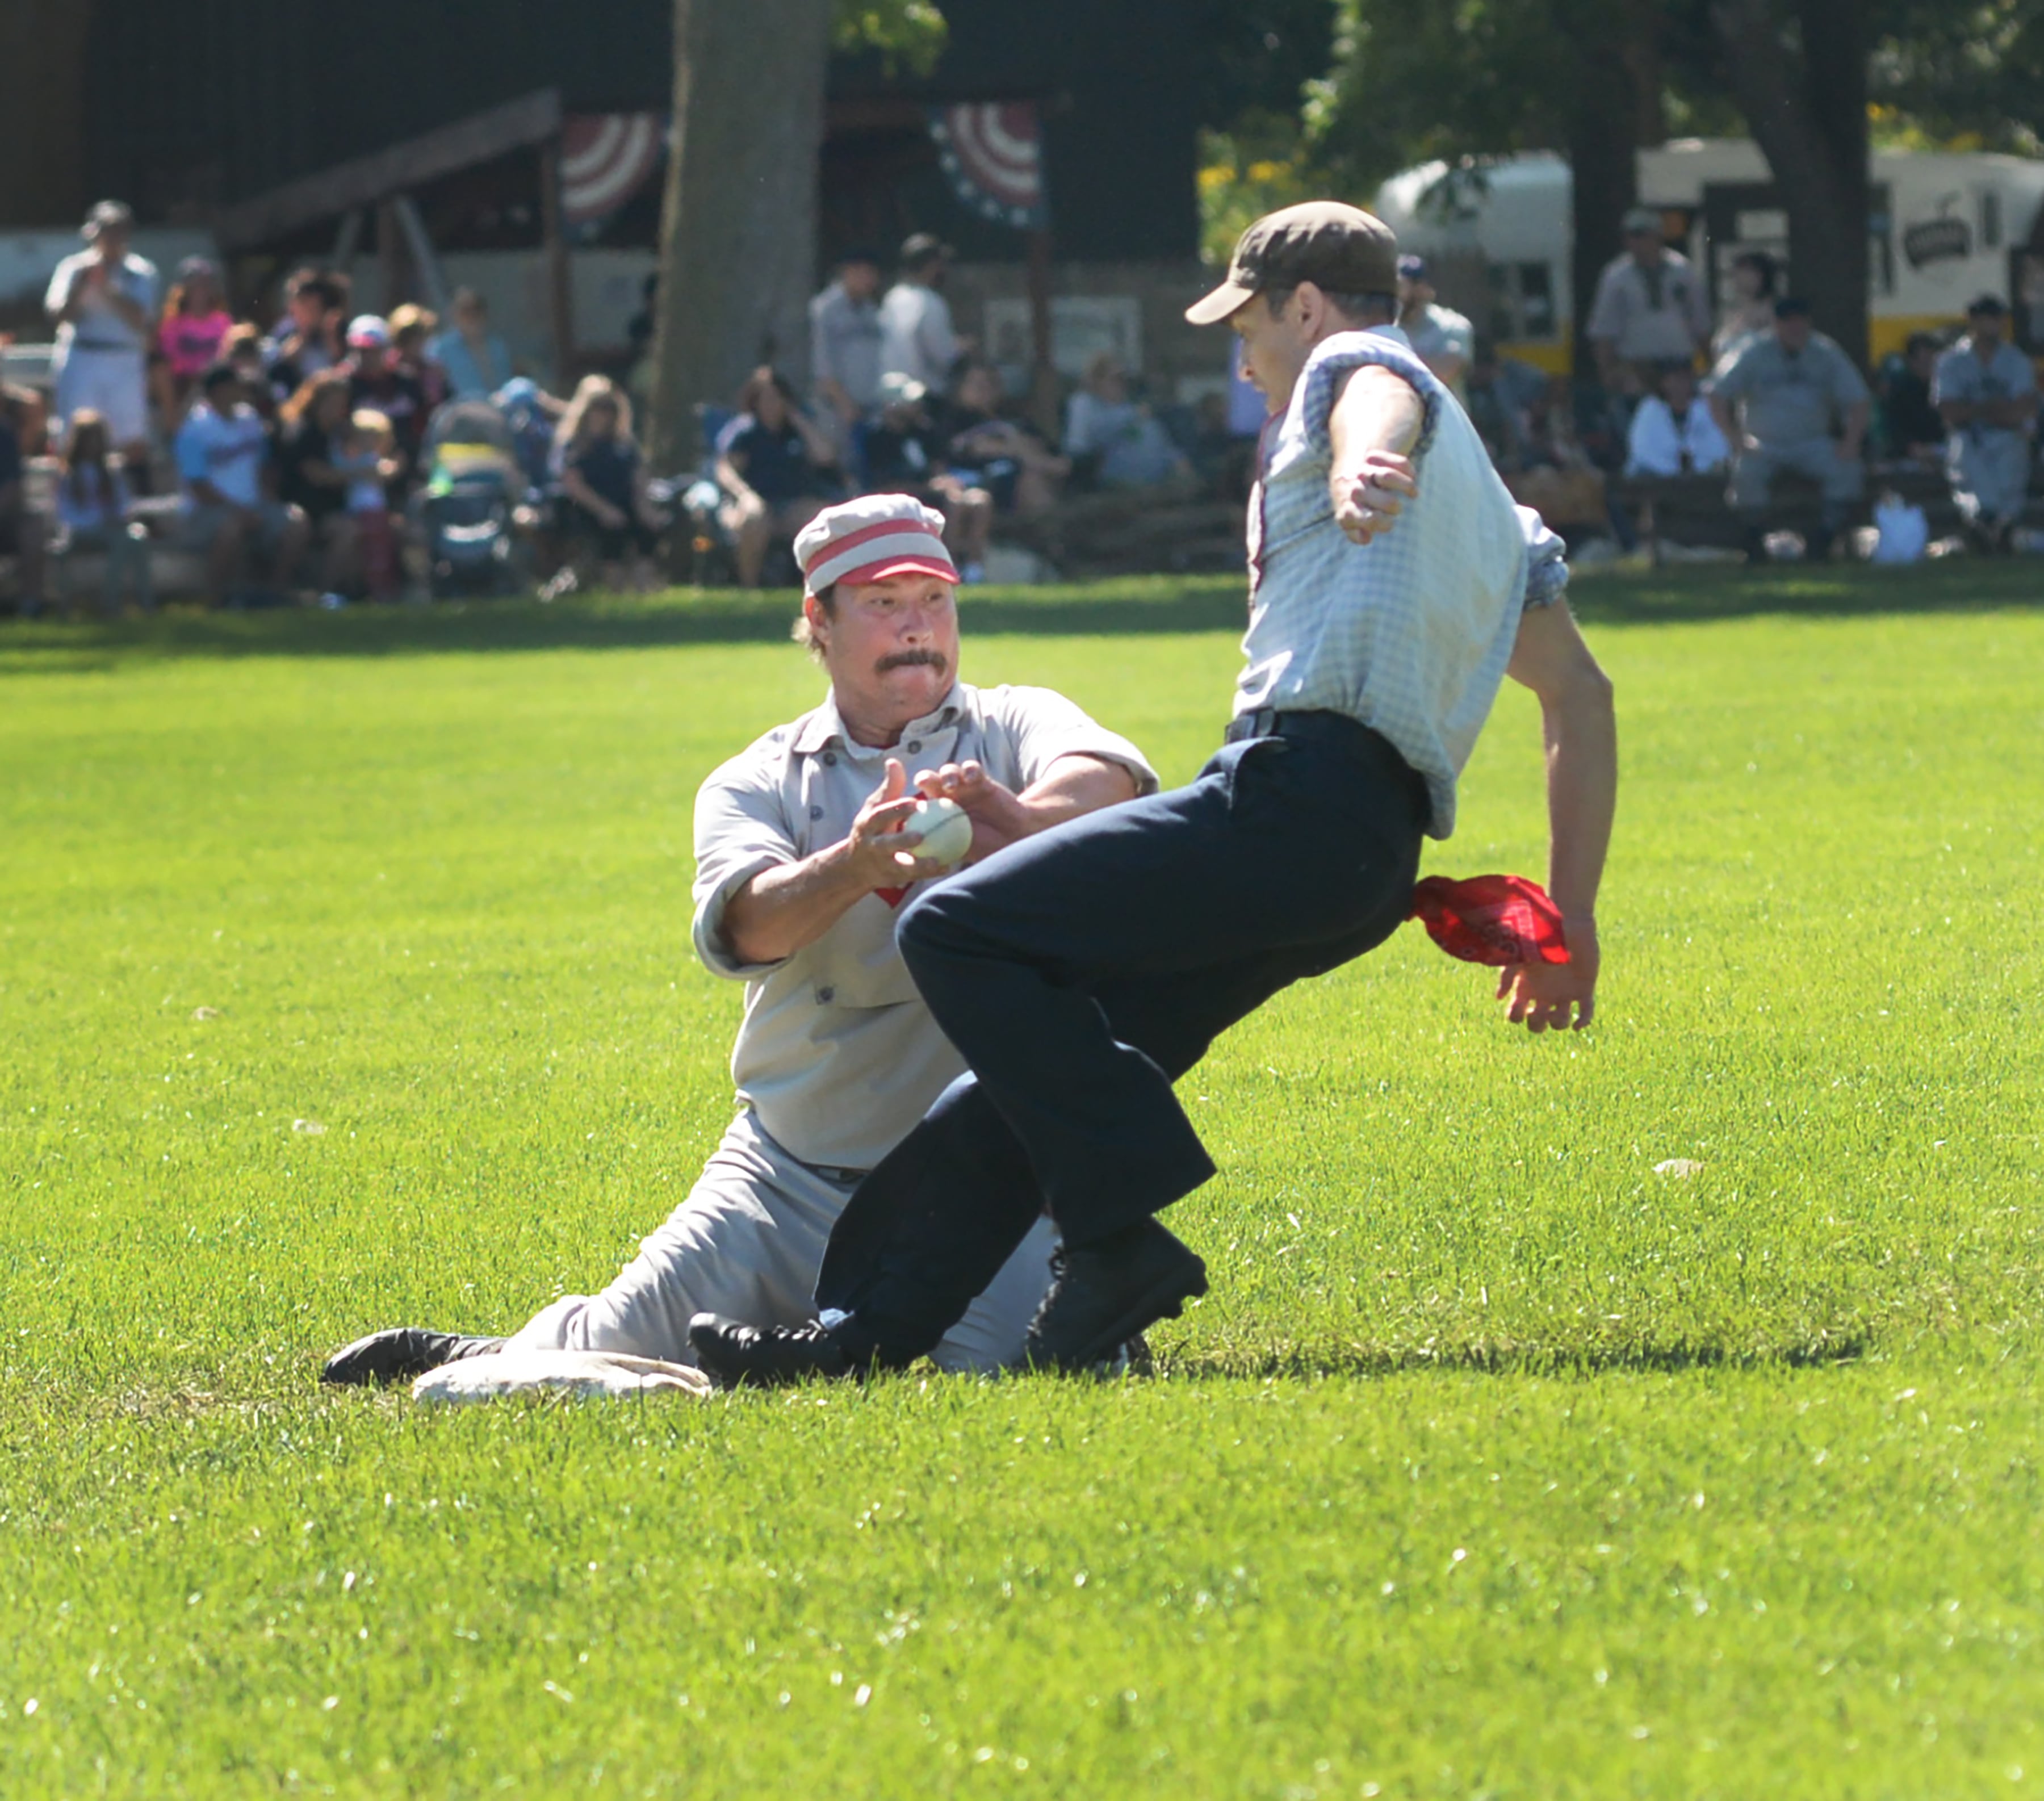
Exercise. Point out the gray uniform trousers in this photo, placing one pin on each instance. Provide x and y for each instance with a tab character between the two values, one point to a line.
1990	474
748	1242
1842	482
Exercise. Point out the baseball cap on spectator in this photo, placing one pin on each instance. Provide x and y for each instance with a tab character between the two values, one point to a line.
1411	268
1342	249
366	331
108	215
1988	306
925	246
1639	220
870	539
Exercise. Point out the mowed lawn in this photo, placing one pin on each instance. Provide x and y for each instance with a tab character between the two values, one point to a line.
345	981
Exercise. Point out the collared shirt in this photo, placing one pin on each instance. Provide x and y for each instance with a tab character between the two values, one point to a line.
226	449
1409	634
1651	316
1658	444
99	327
845	344
1961	376
837	1055
916	336
1791	397
1434	331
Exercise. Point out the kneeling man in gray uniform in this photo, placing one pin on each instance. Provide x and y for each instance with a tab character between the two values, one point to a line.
802	864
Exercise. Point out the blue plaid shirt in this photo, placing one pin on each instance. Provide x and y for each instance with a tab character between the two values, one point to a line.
1409	634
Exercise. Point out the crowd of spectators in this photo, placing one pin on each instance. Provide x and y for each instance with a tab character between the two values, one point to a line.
292	459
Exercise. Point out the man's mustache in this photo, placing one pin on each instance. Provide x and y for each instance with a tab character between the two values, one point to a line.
908	659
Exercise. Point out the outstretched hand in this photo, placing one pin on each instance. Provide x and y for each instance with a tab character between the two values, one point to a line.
1367	501
877	847
1556	997
998	816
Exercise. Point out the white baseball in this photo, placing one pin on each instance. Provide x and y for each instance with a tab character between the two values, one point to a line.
947	831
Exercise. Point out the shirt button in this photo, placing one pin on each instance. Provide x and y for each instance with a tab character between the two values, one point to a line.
815	813
913	745
830	759
826	996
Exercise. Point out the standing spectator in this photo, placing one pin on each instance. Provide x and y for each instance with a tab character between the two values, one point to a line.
477	361
916	336
602	482
375	380
845	343
777	469
1778	399
311	426
231	505
904	454
411	338
192	338
1650	308
1986	390
1440	337
104	300
93	504
988	451
1912	429
1756	282
312	337
1101	421
1673	432
20	531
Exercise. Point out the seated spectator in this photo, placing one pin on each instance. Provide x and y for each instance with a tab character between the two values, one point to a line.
1986	390
313	336
191	338
1779	399
777	469
985	450
1133	450
20	531
93	505
531	413
602	480
1560	479
243	346
1673	432
310	426
904	454
1440	337
366	457
104	301
477	361
1503	393
375	380
1756	280
1912	430
412	331
230	504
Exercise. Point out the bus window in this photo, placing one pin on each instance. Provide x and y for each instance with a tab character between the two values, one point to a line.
1522	302
1536	300
1990	217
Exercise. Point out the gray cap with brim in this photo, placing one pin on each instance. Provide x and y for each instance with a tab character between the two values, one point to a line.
1340	248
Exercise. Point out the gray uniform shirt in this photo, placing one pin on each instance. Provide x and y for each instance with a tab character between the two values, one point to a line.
837	1055
1961	376
1658	316
844	344
1789	398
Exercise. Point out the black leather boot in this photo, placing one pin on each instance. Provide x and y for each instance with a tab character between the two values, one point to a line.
400	1355
1108	1293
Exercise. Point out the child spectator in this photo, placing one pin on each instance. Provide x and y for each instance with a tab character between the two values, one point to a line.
365	456
477	361
223	453
243	349
374	380
777	469
309	427
412	329
191	338
93	504
602	484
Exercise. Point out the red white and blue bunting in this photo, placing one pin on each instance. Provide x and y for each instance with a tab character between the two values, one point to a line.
993	152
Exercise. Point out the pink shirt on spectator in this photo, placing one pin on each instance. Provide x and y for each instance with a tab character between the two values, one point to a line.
191	343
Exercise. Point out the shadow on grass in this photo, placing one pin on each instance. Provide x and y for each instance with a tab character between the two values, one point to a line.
1137	605
1298	1362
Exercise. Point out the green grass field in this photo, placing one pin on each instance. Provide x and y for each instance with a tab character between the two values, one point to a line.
1497	1464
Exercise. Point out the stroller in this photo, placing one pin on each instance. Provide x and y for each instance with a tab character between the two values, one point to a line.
472	486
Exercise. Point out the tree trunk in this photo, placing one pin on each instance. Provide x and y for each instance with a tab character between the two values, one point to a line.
1602	128
1805	104
737	232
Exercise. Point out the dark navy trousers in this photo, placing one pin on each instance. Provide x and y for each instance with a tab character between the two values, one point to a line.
1079	974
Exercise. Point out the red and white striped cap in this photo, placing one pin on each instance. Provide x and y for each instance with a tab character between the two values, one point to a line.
871	538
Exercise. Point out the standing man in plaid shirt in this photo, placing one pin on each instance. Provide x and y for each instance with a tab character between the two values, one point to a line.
1080	972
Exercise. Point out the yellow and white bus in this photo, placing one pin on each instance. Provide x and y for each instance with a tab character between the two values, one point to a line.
1944	227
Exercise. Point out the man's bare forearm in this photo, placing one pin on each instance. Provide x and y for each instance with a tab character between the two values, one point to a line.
1376	411
787	908
1075	784
1581	730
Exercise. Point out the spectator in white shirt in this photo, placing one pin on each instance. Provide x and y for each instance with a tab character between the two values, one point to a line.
223	453
1673	432
104	300
917	339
